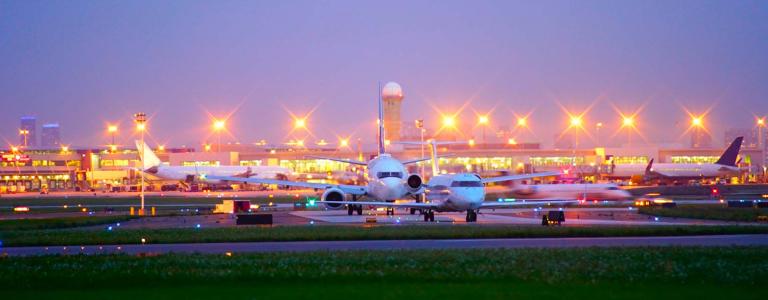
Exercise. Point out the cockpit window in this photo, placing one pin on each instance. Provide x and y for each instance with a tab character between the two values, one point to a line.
467	183
389	174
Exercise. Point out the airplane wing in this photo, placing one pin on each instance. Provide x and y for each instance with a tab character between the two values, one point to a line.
518	177
349	161
413	161
523	202
349	189
385	204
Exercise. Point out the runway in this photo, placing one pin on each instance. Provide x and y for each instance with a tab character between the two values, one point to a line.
262	247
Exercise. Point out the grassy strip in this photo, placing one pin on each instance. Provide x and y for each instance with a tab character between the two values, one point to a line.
58	223
709	212
641	270
149	200
329	233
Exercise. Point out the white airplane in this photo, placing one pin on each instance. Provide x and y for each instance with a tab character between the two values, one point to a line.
453	192
580	191
152	165
725	166
388	179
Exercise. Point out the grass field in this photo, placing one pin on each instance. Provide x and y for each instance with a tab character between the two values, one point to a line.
318	233
149	200
58	223
579	273
710	212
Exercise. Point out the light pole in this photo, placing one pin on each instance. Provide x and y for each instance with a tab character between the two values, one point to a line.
112	129
628	123
696	123
597	132
141	126
25	133
760	125
483	121
420	126
575	126
218	126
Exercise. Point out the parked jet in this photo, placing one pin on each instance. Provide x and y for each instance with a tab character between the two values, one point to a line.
725	166
152	165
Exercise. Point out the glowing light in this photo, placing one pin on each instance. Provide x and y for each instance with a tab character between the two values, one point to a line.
219	124
14	149
522	122
511	141
761	121
628	122
483	120
207	147
471	142
344	142
696	121
449	121
141	126
112	128
161	148
300	123
113	148
576	121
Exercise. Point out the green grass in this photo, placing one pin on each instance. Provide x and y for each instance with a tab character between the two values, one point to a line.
149	200
335	232
58	223
579	273
709	212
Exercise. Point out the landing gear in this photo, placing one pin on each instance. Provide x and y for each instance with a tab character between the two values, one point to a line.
471	216
351	209
429	216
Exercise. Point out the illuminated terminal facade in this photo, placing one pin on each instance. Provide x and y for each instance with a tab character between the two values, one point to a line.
84	169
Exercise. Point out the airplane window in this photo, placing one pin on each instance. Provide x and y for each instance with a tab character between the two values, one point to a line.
466	184
389	174
613	188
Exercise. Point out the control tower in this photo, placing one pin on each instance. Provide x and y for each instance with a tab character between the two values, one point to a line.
392	94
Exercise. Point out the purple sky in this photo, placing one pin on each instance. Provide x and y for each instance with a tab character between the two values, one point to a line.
86	63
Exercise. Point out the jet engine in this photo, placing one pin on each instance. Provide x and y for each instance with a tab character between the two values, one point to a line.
414	183
333	194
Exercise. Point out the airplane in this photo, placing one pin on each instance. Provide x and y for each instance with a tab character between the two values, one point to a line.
152	165
388	179
726	165
454	192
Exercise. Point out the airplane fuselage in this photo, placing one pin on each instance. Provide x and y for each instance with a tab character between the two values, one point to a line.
586	191
189	173
678	170
456	192
386	179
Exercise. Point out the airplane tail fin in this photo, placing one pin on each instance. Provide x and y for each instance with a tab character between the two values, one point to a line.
433	151
649	167
729	156
380	122
148	157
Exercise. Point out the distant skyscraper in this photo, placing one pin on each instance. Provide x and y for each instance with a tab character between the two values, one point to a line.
700	138
29	136
51	136
392	96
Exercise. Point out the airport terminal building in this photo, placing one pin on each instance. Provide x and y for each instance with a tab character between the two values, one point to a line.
80	169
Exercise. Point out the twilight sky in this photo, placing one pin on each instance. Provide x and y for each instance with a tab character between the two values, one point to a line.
86	63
